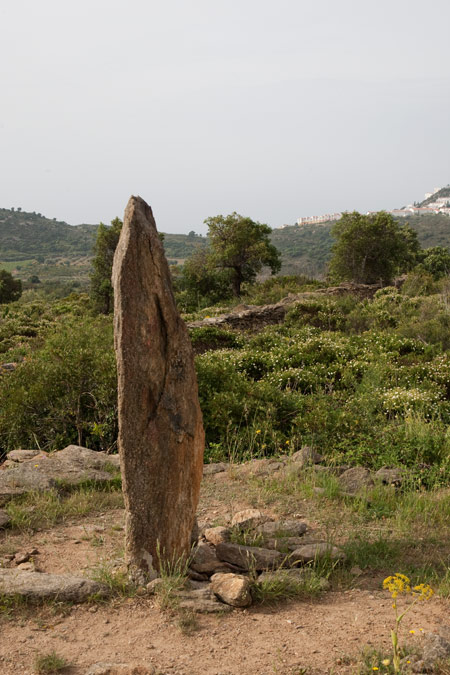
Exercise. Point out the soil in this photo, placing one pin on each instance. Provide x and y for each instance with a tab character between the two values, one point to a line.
315	637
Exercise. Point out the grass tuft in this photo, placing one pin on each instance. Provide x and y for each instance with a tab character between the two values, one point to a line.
45	664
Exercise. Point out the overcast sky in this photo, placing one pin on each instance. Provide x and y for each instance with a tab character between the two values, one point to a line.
275	109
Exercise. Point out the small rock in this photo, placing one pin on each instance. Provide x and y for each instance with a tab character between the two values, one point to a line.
283	528
233	589
305	456
22	557
25	566
153	585
219	467
389	476
205	559
4	519
355	479
436	647
200	600
217	535
356	571
311	552
284	543
22	455
249	557
196	576
248	519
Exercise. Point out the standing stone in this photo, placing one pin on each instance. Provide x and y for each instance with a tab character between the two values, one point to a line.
161	437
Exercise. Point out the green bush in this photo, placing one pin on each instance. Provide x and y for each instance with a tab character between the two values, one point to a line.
64	391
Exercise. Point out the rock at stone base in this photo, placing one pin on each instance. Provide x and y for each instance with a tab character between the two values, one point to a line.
284	528
200	600
39	586
248	519
311	552
355	479
217	535
233	589
205	560
119	669
249	557
4	519
284	544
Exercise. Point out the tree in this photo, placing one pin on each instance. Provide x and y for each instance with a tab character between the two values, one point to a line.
242	246
436	261
372	248
200	283
104	248
10	288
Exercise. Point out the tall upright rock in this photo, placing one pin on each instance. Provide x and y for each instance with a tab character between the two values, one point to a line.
161	437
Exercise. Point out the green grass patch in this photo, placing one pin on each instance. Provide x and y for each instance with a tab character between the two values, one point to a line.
44	509
46	664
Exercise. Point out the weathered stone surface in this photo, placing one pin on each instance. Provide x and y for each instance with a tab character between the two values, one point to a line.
39	586
284	544
233	589
217	535
248	519
72	465
22	455
254	317
219	467
249	557
200	600
305	456
161	437
4	519
205	559
283	528
389	476
310	552
355	479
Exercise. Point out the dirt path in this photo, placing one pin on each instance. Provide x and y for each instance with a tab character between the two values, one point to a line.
322	637
314	637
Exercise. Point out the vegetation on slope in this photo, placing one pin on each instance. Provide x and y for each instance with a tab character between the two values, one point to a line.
364	382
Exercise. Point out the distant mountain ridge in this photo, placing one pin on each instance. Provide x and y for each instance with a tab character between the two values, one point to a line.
305	249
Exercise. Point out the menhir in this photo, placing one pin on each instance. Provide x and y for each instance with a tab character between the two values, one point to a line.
161	437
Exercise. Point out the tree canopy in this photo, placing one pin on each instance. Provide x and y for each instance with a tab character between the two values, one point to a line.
372	248
105	246
10	288
242	246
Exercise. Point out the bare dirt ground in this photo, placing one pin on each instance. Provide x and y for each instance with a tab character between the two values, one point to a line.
291	638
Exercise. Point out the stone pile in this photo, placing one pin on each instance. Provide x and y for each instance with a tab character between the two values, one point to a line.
224	572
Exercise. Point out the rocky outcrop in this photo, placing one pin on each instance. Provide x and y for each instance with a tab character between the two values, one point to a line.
255	317
161	438
43	471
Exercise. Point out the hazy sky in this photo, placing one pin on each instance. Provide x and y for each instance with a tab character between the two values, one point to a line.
274	109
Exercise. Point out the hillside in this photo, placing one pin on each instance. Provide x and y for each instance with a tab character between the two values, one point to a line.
443	192
33	244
